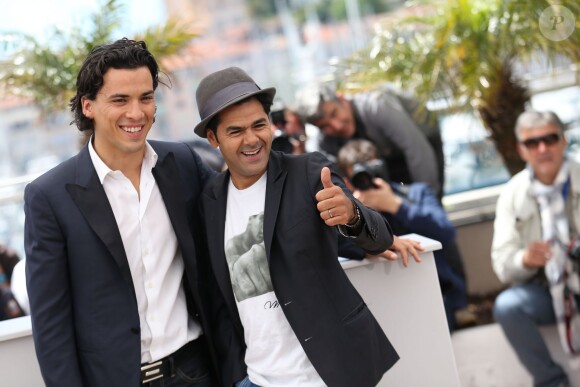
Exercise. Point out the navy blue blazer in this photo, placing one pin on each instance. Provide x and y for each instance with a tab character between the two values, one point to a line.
340	336
85	320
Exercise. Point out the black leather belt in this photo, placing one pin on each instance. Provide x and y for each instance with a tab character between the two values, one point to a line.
166	366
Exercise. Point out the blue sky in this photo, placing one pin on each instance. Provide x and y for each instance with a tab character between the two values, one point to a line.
37	17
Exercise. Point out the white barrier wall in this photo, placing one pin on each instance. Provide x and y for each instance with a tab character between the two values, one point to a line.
18	366
406	301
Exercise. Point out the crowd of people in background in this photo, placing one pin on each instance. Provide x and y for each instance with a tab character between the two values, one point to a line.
392	146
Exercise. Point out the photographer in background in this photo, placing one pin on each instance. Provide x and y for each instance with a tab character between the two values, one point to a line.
407	136
289	134
412	208
537	215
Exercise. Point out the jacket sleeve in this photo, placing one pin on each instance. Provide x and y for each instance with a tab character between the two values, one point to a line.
422	213
49	292
376	235
203	171
507	249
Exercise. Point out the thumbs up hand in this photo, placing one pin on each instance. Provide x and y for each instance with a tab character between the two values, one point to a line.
334	206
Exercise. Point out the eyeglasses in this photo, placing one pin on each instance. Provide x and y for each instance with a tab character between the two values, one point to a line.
534	142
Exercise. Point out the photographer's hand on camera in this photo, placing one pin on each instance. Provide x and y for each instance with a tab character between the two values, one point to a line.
382	198
536	255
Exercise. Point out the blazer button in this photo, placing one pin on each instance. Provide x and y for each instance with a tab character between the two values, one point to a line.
136	330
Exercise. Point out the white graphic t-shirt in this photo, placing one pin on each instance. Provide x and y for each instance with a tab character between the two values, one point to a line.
274	356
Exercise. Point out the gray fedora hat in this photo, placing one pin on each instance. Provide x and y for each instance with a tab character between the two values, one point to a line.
224	88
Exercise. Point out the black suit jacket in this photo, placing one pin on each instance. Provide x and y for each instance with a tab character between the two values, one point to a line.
84	310
339	334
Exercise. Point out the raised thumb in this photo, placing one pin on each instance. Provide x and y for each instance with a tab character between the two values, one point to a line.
325	178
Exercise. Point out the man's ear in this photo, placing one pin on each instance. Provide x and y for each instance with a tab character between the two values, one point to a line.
87	106
212	138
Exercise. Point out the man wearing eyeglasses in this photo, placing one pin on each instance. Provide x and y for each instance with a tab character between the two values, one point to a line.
537	215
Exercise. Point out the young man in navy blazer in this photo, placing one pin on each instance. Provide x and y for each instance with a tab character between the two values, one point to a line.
290	316
110	257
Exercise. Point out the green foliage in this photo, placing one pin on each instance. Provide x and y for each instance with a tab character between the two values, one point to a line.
469	51
167	39
458	47
47	73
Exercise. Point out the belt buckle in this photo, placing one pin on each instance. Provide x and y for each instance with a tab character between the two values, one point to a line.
152	371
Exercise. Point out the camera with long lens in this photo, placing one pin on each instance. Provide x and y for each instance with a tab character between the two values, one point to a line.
278	118
285	143
281	140
363	174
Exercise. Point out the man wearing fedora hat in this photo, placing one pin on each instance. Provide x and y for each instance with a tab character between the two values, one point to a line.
288	315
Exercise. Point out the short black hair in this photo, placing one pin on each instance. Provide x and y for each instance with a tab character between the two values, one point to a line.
122	54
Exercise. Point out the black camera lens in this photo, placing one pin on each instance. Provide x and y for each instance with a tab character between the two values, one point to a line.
278	119
282	143
362	180
363	174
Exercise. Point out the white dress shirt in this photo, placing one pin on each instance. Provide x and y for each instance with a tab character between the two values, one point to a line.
154	258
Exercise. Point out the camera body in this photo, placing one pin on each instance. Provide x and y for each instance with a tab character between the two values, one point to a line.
363	174
278	118
281	142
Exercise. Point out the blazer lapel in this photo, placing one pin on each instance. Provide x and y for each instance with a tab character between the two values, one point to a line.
215	213
274	189
90	197
169	182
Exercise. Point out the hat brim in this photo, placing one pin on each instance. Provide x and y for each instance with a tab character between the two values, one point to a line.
200	129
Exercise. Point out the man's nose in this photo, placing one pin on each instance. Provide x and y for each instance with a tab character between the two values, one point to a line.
336	126
542	147
250	137
135	110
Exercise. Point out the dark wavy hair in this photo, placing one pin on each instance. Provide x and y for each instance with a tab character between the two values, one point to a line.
122	54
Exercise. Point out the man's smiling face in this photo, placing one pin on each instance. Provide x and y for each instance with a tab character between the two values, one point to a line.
244	137
123	112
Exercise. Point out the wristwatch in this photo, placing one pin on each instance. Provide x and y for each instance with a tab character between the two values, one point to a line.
352	230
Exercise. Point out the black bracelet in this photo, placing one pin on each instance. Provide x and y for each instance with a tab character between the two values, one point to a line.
358	218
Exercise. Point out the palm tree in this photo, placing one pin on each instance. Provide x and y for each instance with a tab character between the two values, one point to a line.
473	53
47	73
